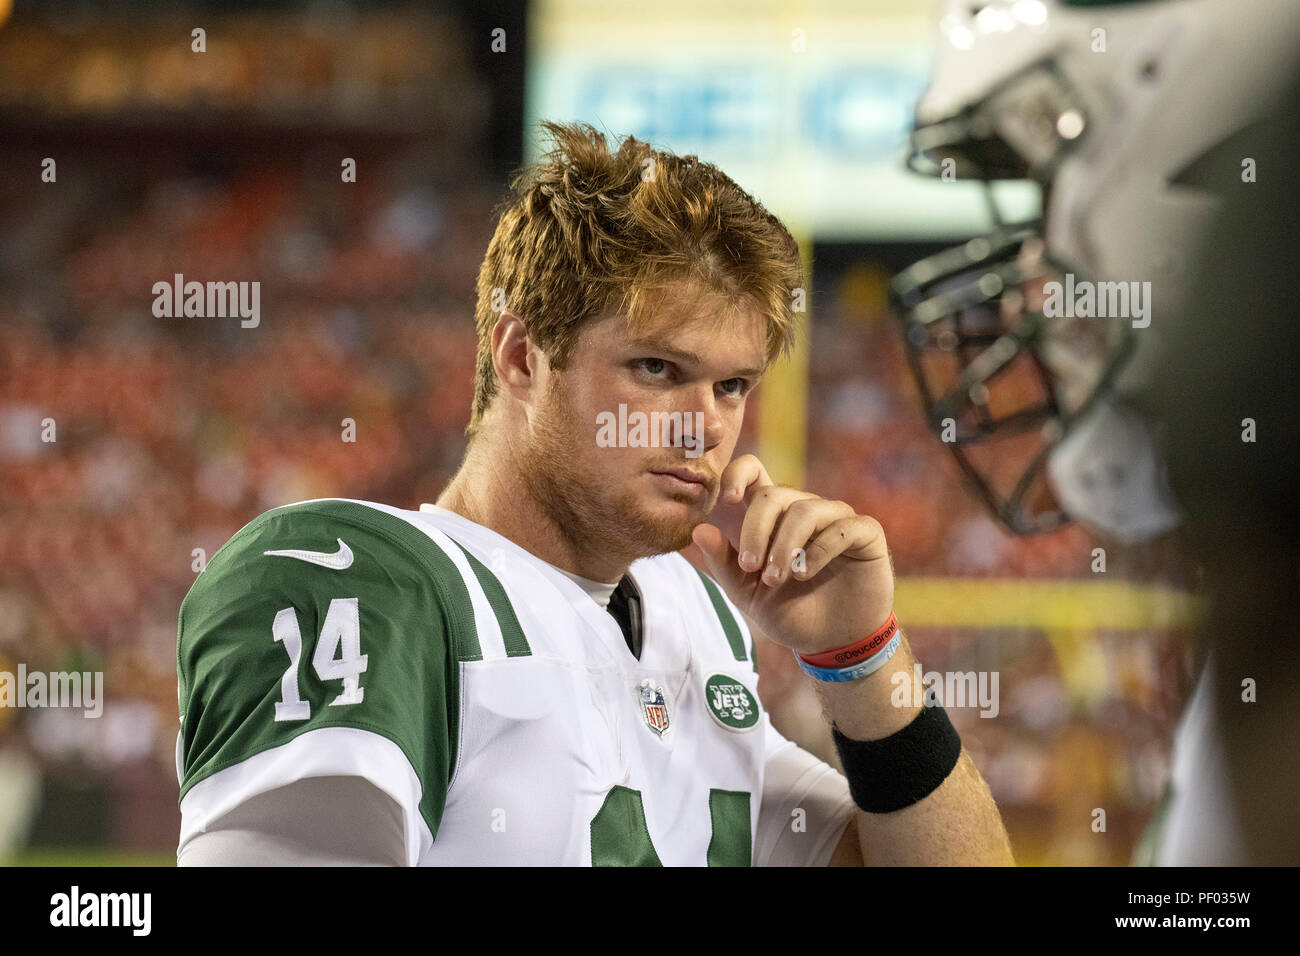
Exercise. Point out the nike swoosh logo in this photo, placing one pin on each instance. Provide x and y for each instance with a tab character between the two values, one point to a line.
340	560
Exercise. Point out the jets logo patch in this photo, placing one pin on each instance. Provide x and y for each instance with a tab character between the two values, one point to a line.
730	703
654	707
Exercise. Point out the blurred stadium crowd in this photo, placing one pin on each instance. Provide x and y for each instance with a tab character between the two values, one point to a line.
170	434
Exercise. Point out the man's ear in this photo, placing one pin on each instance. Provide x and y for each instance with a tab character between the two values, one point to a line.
514	356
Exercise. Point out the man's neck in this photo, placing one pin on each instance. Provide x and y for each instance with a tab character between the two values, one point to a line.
489	490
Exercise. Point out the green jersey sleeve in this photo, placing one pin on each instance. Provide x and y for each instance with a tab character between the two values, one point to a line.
317	617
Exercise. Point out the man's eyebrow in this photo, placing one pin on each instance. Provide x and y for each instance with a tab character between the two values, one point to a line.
680	355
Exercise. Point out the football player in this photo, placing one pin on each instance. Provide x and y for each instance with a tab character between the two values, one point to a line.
526	671
1037	346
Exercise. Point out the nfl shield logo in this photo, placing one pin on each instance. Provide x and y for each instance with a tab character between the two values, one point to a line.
654	708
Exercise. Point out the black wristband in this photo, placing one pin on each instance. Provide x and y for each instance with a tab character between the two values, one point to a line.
903	768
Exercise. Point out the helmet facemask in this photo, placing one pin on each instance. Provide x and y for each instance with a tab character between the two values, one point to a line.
1002	382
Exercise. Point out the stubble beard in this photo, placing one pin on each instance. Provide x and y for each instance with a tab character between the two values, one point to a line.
598	519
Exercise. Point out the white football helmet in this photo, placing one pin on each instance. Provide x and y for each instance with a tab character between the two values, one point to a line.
1137	119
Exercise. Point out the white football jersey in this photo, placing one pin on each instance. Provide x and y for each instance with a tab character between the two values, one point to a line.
489	696
1197	824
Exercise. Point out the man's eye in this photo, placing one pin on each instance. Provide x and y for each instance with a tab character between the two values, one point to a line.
734	386
652	365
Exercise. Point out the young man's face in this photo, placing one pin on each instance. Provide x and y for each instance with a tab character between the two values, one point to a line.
626	492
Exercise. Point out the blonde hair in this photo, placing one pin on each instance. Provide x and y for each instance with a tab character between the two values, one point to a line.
588	232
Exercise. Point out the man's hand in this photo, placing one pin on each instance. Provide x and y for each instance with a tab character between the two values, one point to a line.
836	590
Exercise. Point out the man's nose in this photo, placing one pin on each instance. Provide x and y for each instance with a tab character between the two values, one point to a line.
701	426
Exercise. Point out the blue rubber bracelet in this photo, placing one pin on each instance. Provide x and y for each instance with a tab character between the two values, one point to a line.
842	675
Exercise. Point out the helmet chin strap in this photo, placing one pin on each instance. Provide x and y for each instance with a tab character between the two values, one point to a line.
1106	474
